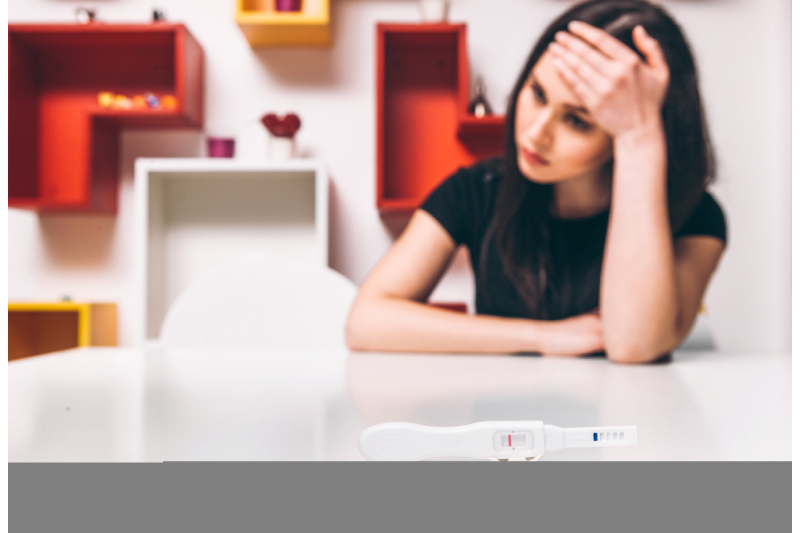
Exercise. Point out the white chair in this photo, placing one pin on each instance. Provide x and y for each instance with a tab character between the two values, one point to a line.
261	300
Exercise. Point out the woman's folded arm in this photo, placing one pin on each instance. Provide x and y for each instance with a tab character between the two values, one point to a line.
390	313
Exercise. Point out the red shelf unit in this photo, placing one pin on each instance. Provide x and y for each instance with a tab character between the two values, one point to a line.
62	145
424	130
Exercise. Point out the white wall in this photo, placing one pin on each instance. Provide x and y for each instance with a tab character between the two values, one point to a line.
742	48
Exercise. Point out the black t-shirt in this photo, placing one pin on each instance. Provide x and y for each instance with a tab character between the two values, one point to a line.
464	205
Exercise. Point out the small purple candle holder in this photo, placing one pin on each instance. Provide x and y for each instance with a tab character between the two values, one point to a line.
288	5
219	147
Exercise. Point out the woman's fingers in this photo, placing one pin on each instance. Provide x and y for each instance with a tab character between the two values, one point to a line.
603	41
580	47
594	79
575	82
651	50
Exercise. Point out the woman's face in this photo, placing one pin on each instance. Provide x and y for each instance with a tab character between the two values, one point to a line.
556	137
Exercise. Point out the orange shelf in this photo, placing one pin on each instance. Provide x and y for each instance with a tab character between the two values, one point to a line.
262	25
63	146
36	328
424	131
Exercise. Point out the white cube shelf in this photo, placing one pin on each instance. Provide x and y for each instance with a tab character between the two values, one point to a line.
194	214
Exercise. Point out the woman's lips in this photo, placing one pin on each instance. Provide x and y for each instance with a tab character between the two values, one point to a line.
534	158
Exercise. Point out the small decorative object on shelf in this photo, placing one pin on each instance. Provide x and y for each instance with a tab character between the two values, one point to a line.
84	15
433	10
169	102
122	102
152	100
109	100
479	106
158	15
282	131
105	99
221	147
139	102
288	5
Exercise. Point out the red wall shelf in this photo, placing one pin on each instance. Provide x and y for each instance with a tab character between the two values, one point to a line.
424	130
62	145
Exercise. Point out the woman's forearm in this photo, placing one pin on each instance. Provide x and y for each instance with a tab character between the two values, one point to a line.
383	323
638	291
395	324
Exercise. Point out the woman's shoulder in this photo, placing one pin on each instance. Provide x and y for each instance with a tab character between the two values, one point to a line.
708	218
465	199
470	183
479	175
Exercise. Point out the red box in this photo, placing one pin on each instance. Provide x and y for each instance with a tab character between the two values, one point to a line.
424	130
63	146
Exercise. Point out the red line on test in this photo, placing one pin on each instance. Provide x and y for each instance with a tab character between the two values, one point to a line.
509	440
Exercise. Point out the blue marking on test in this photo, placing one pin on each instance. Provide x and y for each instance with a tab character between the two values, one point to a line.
595	436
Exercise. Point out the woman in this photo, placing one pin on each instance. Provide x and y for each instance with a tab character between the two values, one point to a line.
595	233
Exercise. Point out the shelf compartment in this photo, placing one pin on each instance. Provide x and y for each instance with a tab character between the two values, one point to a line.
63	146
36	328
424	132
472	127
194	214
263	26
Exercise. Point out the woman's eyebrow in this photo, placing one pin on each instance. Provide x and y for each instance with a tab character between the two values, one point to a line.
579	109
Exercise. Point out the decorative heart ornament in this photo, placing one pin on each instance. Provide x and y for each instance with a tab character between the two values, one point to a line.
281	127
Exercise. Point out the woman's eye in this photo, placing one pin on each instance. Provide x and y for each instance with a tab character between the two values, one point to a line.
538	95
577	123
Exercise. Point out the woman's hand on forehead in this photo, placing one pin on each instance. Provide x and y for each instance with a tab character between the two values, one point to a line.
623	93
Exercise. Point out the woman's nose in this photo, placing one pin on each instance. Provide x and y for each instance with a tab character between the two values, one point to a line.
539	130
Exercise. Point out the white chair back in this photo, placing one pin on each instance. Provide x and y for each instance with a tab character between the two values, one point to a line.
262	300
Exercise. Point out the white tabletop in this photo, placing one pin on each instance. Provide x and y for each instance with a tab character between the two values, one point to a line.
217	404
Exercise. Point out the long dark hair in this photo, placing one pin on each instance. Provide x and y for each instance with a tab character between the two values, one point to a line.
523	209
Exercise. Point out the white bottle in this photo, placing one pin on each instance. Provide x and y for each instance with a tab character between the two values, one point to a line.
433	11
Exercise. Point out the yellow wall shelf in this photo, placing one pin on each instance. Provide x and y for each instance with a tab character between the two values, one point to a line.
263	26
35	328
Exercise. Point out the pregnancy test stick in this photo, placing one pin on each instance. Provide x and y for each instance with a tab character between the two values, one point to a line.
511	440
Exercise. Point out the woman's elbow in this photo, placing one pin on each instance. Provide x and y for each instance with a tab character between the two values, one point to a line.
632	357
633	354
353	333
355	340
628	349
356	331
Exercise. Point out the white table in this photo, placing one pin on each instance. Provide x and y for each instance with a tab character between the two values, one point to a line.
152	404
